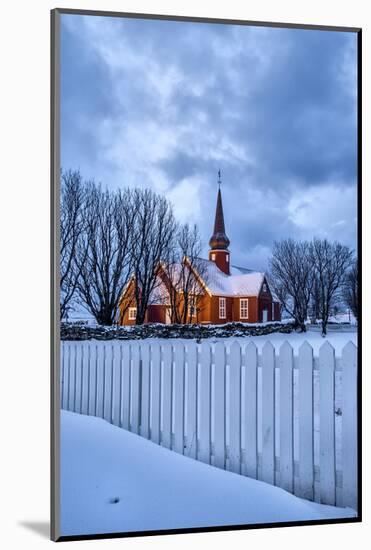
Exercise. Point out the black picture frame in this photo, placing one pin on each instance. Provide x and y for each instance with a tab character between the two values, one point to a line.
55	323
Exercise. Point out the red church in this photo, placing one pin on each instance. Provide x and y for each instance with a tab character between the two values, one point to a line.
225	293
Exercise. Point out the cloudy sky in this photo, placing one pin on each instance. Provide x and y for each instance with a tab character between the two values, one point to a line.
166	104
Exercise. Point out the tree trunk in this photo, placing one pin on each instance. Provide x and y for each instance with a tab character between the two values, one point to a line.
140	317
104	318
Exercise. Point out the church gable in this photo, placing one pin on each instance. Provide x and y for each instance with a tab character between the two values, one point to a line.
265	292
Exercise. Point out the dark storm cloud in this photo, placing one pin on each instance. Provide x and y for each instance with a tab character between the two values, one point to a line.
305	123
85	95
167	104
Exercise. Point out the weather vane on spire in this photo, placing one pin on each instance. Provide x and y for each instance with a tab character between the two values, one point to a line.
219	178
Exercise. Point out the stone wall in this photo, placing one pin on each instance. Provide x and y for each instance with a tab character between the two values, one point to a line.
83	331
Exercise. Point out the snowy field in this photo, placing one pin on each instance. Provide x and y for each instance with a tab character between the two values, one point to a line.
113	480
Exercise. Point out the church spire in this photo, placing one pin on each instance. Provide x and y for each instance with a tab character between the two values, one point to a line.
219	240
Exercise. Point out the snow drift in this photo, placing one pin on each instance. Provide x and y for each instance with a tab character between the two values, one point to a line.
116	481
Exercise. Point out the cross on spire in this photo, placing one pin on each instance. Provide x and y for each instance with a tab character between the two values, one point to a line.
219	178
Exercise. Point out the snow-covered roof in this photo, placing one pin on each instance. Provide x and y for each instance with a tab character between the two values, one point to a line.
235	270
159	294
242	282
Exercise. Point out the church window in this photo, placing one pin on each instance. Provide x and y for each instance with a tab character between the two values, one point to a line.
227	258
222	308
244	308
213	257
132	313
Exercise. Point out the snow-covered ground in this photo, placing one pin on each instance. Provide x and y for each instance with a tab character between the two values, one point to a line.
113	480
343	318
338	338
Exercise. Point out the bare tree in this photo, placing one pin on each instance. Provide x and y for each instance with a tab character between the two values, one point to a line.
194	274
350	290
292	276
331	262
153	242
315	301
71	229
104	253
185	275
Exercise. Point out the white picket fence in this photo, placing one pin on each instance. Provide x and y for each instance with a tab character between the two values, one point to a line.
289	420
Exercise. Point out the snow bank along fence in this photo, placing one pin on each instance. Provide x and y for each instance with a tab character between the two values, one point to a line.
289	420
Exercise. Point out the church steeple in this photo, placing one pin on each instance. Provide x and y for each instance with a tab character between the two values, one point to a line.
219	241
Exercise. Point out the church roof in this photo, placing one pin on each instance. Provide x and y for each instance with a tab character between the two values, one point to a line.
242	282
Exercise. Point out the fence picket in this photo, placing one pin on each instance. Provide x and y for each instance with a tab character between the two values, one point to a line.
135	389
78	377
349	427
108	383
179	399
126	386
64	376
268	424
93	388
71	378
204	401
235	408
251	417
191	400
167	396
286	418
85	379
219	405
101	380
155	393
117	385
145	390
327	423
306	444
